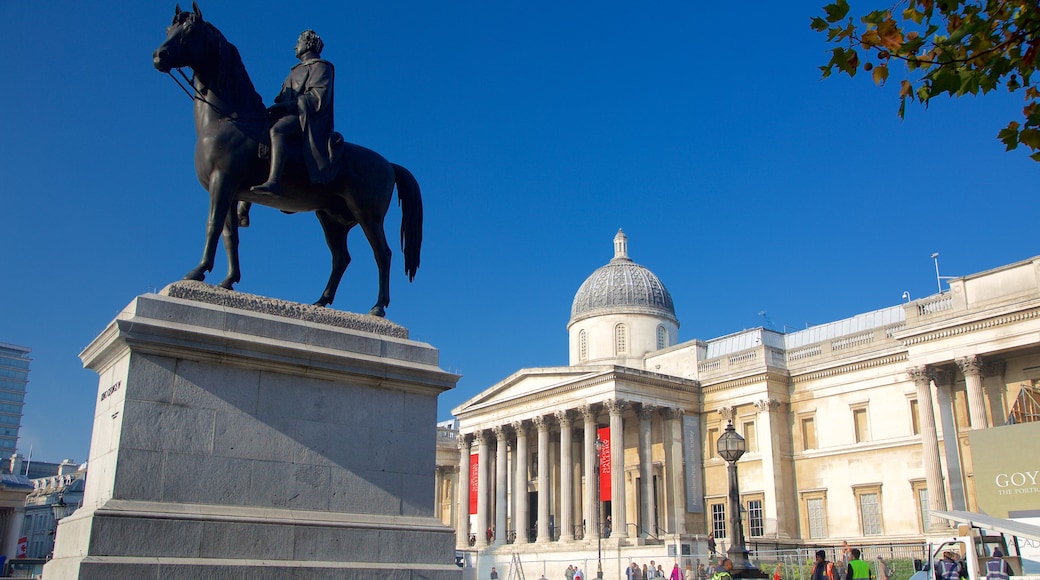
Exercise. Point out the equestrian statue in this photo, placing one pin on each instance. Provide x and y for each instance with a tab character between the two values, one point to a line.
311	167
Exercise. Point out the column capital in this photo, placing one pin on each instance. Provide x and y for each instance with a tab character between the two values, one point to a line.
615	406
768	405
564	417
970	365
541	422
995	368
671	413
482	437
588	412
645	410
728	413
463	441
501	432
519	427
920	374
942	377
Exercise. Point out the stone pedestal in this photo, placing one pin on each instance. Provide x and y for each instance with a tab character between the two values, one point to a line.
243	437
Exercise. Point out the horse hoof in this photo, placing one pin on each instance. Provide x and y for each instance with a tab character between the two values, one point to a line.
377	311
197	274
228	283
322	303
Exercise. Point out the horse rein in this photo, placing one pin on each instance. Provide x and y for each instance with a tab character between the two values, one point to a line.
197	96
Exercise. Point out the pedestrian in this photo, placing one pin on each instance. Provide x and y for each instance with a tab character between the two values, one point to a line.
947	569
632	572
996	567
494	573
884	572
778	572
822	569
569	574
578	574
711	544
858	569
724	570
660	571
645	572
677	573
702	571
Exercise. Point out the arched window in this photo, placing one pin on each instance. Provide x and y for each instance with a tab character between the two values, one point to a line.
583	345
620	340
662	337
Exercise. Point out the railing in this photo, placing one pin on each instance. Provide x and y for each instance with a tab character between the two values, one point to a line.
743	357
943	302
852	341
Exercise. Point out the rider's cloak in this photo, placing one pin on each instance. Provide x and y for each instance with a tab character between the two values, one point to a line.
310	85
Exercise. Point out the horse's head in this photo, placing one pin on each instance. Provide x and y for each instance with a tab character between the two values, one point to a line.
185	43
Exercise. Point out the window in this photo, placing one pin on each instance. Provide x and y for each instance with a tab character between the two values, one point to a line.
583	345
620	340
868	501
817	517
662	337
920	488
718	520
756	523
713	442
859	423
915	417
750	437
870	513
808	433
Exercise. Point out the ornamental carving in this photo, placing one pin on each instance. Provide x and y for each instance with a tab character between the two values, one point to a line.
995	368
942	377
520	427
463	440
672	413
541	422
970	365
767	405
588	412
728	413
482	437
615	406
564	417
645	410
920	374
501	432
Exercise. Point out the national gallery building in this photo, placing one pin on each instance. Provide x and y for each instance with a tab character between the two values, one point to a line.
853	430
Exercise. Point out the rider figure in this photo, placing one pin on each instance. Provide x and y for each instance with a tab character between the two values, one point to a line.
303	108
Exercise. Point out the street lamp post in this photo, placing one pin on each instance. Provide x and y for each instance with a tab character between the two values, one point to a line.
731	447
599	528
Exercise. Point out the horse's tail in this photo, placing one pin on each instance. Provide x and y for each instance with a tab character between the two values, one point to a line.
410	200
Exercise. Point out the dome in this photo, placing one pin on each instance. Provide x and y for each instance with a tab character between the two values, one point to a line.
622	286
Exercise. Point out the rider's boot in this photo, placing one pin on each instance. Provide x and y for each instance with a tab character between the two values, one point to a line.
243	214
271	187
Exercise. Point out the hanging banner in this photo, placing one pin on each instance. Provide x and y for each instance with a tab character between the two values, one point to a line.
474	474
692	452
604	464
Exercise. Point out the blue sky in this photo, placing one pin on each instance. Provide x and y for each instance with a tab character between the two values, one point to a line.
536	130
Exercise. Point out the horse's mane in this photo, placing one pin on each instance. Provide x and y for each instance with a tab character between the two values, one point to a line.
233	83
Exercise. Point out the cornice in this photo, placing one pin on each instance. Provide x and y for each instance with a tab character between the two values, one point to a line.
982	321
745	381
851	367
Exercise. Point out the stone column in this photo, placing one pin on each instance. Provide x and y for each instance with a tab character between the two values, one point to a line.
566	477
520	485
542	424
501	510
462	522
971	366
591	461
617	468
673	471
953	473
646	471
922	377
770	433
482	488
996	392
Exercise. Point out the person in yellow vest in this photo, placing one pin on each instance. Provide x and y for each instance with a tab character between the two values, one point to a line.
858	569
997	568
724	571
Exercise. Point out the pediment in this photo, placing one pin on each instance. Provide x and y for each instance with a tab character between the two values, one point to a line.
527	383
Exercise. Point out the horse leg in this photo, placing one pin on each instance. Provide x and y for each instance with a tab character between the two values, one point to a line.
336	238
231	249
219	205
377	239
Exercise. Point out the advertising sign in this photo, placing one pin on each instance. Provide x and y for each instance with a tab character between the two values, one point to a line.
474	475
604	464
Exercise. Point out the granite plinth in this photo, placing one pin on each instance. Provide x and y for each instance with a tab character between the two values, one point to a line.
252	442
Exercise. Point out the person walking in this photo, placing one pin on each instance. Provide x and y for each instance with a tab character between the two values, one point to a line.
778	572
711	544
857	568
676	573
996	567
569	574
494	573
578	574
883	569
632	572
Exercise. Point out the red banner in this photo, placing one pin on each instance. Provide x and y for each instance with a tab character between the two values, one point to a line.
474	474
604	464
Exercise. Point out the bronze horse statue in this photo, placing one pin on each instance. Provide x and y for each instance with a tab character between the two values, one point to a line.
230	124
